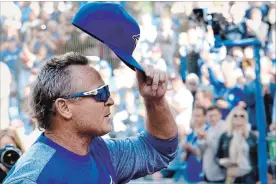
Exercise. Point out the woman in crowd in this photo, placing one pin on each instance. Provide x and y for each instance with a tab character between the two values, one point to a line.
8	137
237	151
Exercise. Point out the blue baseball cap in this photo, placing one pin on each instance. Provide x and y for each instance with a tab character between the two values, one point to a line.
113	26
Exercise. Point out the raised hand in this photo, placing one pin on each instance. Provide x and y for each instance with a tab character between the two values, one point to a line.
153	84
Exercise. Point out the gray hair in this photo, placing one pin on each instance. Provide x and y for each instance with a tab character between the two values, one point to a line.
53	81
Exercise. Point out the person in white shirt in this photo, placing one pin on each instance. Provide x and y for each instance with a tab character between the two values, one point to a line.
208	144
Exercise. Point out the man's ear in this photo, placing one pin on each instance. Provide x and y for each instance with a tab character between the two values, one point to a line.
63	109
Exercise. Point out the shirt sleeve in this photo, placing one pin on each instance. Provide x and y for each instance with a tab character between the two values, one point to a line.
238	96
139	156
21	181
214	81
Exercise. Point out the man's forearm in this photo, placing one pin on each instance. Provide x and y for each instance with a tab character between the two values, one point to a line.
159	121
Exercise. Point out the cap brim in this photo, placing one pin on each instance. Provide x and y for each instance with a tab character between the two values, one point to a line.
127	59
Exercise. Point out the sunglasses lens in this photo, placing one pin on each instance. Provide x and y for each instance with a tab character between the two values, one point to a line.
103	94
97	97
241	116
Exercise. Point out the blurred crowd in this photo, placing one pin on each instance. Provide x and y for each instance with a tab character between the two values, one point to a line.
211	88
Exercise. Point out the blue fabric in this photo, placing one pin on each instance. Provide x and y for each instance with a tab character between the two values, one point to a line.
38	44
135	157
231	95
249	98
25	12
183	67
63	166
193	171
112	25
273	62
111	161
10	58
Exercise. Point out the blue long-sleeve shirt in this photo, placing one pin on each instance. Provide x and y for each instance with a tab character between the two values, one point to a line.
110	161
231	95
250	100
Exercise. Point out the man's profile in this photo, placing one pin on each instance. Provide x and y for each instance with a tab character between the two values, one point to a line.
71	103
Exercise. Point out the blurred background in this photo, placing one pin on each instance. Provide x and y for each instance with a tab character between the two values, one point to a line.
181	38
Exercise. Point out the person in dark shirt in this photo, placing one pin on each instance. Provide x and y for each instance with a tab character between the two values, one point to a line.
237	150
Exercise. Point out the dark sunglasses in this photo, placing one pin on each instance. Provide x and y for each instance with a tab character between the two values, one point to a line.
100	94
192	83
241	115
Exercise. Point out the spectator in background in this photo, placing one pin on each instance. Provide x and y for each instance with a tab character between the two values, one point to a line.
5	82
268	90
26	65
25	10
180	55
256	28
237	150
204	98
193	171
10	54
54	33
192	83
43	39
28	27
182	103
236	30
8	137
227	92
208	143
238	56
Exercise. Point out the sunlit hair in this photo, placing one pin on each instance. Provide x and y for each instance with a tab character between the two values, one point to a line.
14	136
230	124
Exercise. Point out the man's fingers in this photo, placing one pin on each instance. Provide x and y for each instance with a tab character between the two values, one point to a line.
155	80
155	77
162	77
145	67
149	74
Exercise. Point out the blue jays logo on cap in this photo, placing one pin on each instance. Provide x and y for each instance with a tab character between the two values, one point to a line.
136	38
113	26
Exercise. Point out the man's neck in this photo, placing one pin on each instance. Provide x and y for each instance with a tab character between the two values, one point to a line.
71	141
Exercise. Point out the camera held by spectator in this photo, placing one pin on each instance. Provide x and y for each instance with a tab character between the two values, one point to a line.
11	149
9	155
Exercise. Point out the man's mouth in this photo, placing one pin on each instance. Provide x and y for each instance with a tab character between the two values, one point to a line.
107	115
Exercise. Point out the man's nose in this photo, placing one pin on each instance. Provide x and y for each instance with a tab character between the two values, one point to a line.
109	102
